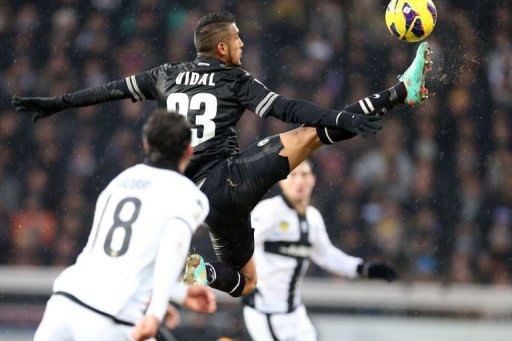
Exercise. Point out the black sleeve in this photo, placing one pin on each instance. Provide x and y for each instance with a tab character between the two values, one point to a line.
94	95
253	95
301	111
137	87
144	86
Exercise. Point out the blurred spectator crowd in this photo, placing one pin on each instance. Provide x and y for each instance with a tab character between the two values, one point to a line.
431	193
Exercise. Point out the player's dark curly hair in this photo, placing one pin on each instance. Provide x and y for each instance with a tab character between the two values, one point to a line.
167	135
210	29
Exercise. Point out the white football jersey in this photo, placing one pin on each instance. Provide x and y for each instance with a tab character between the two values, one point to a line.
115	271
284	244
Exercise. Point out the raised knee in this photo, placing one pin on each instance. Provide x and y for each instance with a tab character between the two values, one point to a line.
250	285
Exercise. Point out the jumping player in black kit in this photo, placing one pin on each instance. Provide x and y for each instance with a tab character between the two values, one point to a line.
213	92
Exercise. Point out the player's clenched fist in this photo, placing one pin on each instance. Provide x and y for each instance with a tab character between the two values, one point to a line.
200	299
146	328
172	317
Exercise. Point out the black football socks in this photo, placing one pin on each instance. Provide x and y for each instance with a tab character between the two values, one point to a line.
223	277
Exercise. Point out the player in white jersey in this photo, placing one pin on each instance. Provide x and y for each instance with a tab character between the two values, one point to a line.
130	267
288	234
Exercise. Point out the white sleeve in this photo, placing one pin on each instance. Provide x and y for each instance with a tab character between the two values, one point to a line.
194	210
178	293
331	258
262	219
172	251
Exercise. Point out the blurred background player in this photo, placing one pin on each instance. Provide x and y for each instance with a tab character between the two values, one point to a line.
129	268
213	92
289	232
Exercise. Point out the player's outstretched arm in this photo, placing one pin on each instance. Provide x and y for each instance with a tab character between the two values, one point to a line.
138	87
41	107
256	97
336	261
302	111
173	245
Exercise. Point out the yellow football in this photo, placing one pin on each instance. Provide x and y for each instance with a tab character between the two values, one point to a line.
411	20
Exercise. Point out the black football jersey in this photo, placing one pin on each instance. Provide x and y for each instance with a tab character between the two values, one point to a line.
212	96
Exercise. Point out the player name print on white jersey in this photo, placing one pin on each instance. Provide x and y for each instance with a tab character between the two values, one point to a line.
300	251
115	270
194	78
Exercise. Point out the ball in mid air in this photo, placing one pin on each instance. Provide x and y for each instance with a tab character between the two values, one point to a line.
411	20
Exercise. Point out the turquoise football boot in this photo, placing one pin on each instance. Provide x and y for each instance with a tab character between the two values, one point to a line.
414	76
195	270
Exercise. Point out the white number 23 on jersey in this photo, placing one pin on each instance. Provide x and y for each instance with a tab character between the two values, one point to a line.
181	103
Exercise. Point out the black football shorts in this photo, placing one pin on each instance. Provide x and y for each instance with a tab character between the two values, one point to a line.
234	186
